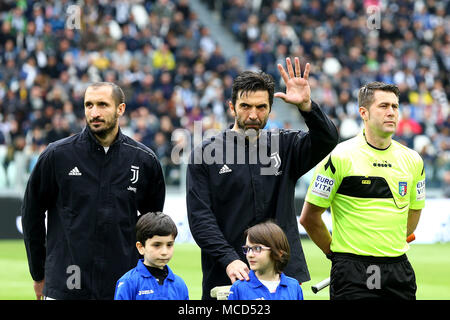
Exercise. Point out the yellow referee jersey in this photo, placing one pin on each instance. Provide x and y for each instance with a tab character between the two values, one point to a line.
370	192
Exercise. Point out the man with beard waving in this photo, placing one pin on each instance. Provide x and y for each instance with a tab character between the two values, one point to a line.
246	175
92	186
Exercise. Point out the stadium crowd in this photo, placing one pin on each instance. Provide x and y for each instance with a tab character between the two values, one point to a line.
173	72
350	43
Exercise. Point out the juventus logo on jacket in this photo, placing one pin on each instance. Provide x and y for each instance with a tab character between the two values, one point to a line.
135	174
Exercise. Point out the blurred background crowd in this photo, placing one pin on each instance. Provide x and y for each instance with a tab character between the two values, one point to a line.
174	73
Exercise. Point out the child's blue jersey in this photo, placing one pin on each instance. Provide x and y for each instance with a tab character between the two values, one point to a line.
288	289
140	284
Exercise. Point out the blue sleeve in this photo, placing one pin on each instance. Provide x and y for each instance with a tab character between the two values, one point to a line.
180	289
234	292
124	290
185	291
300	293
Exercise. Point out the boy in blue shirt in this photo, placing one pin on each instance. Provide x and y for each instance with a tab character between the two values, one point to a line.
267	251
152	279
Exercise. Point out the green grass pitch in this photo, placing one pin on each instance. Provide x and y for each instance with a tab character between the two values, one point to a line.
431	264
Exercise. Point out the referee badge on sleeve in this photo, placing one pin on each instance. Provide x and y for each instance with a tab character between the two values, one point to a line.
420	190
322	186
402	188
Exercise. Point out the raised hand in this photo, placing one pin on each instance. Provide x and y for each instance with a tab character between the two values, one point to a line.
298	91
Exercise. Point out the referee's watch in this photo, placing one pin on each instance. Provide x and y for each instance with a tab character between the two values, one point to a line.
329	255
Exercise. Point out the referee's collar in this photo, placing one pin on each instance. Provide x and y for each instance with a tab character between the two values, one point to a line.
372	146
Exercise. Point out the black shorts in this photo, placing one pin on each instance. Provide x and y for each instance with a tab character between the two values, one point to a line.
364	277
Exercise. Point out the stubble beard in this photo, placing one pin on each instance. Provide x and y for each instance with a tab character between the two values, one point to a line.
249	131
102	133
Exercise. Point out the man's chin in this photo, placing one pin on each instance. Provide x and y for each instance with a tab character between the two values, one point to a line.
99	131
96	129
250	129
389	131
250	132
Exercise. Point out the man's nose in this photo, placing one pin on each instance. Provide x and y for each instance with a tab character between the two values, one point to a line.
390	111
95	112
253	114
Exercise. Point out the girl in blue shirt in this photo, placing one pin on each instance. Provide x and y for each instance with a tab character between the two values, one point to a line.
267	251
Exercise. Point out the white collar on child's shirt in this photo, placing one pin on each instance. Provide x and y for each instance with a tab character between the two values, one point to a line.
271	285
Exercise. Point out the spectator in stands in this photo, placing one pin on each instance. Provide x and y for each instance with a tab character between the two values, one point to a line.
409	49
163	58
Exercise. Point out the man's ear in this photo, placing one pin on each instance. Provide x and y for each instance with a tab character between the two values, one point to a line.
231	106
121	109
364	113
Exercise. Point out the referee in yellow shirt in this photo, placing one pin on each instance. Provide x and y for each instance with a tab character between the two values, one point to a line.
375	188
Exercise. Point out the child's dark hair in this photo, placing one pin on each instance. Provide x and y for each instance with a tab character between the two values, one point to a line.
271	235
155	224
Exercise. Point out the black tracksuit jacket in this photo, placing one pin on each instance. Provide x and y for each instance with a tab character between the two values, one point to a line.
222	202
92	201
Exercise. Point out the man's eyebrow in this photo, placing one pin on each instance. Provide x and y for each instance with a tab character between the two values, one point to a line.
98	102
389	103
258	105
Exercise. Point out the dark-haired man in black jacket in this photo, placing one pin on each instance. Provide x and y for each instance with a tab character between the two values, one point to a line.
92	186
246	175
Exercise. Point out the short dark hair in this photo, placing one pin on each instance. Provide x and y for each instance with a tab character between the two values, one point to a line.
366	92
155	224
250	81
117	92
271	235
